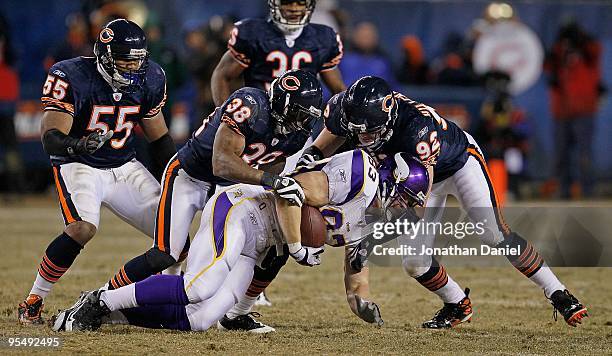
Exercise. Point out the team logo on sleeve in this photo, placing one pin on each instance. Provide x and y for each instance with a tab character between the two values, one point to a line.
290	83
106	35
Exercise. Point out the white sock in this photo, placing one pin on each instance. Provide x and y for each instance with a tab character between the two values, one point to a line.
451	292
41	286
244	306
546	279
121	298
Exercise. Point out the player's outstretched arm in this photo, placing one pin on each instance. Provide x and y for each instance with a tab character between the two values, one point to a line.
357	286
226	161
290	216
224	74
327	142
324	146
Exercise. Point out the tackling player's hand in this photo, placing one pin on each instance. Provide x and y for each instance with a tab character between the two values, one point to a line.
92	142
308	256
285	187
368	311
309	156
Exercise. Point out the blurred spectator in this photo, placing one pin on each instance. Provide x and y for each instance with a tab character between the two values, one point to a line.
454	67
77	41
414	69
327	12
205	45
167	57
365	57
503	132
10	160
573	65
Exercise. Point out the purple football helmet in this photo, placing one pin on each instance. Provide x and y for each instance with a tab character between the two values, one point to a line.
404	180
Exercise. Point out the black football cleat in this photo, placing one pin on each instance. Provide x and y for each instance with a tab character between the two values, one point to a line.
85	315
451	314
572	310
244	323
30	310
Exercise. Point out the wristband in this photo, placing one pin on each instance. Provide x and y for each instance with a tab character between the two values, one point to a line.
294	247
267	179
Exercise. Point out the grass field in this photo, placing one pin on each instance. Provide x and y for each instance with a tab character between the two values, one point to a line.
309	312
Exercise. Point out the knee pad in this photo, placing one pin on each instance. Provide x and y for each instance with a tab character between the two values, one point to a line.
158	260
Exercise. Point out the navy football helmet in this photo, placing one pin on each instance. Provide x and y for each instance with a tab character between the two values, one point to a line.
369	110
295	100
404	181
123	40
293	20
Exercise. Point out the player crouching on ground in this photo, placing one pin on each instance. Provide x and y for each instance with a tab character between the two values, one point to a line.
371	116
238	226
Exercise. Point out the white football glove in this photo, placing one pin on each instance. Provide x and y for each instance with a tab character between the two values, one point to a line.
285	187
308	256
309	156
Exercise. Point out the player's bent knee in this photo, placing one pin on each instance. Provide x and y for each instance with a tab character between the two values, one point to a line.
158	260
81	231
416	267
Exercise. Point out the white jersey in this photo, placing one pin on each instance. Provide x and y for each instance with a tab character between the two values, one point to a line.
353	180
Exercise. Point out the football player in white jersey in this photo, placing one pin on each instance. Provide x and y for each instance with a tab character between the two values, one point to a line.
238	226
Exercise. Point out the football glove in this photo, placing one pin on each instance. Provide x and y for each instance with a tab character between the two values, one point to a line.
368	311
92	142
309	156
285	187
308	256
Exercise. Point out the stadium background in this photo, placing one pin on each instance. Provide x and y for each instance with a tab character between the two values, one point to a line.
37	29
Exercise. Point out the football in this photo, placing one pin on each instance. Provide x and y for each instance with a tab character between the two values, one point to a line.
313	227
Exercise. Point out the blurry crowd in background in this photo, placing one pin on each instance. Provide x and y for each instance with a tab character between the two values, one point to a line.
572	67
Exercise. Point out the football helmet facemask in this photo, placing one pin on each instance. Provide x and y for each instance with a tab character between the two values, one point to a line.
369	111
292	20
124	41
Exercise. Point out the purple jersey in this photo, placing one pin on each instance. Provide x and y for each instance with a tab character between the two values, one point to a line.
418	131
75	87
247	112
260	47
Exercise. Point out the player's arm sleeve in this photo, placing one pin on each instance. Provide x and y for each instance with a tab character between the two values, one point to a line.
157	94
334	54
239	45
239	114
57	94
